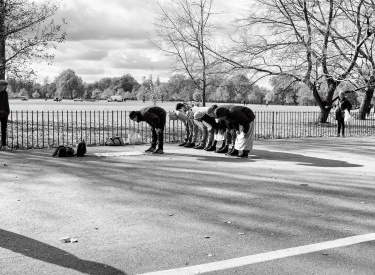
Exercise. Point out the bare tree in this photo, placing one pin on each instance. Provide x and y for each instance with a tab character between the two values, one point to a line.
306	40
26	36
185	32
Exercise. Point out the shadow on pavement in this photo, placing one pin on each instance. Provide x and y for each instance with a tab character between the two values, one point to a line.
301	159
272	155
47	253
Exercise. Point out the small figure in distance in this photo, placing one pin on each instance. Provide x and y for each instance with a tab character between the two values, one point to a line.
4	113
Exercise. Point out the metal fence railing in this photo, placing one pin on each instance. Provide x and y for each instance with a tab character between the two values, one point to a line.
38	129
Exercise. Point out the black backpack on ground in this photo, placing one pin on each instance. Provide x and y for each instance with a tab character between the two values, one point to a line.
81	149
63	151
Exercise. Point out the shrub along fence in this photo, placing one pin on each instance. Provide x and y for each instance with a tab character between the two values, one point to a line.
38	129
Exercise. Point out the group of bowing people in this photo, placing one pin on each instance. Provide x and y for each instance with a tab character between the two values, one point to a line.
205	127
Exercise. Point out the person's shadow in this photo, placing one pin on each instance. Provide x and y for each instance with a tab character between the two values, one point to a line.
49	254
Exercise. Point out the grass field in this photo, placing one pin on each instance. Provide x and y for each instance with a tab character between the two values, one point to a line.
70	105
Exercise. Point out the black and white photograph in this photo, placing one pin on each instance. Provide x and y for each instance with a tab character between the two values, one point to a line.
185	137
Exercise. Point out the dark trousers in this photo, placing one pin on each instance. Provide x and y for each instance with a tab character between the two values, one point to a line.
158	133
4	124
340	127
187	131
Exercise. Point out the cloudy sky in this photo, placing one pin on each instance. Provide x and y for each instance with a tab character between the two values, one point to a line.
109	38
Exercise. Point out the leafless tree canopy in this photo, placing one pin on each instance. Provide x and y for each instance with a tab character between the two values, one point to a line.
184	31
27	33
314	42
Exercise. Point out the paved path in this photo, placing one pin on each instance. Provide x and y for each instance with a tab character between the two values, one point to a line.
144	213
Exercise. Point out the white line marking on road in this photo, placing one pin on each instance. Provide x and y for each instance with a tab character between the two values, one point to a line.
263	257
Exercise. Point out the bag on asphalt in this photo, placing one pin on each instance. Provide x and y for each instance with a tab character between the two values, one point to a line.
134	139
114	141
64	151
81	149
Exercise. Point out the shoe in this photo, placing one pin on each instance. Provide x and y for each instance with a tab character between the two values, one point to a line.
229	151
222	146
199	147
244	154
342	135
210	149
182	144
338	135
6	148
189	145
222	150
151	149
158	151
234	153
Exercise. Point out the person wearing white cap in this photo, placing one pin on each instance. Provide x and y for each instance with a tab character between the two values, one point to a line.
4	113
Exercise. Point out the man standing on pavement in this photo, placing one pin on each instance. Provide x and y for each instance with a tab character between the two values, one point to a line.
156	118
4	113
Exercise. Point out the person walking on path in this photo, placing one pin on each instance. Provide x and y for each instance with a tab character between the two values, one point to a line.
156	118
342	105
4	113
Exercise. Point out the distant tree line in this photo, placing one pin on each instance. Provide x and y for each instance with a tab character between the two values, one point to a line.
234	89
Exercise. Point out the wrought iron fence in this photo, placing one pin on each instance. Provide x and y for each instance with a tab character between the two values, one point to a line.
38	129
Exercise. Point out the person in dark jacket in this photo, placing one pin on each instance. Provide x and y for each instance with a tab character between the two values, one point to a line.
343	104
4	113
242	119
156	118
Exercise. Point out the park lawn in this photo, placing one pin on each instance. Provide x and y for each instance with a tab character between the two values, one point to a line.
102	105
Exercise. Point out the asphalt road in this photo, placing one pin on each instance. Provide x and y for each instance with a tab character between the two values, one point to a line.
147	213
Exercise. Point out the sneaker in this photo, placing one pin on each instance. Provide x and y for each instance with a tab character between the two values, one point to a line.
182	144
158	151
210	149
234	153
223	150
199	147
6	148
151	149
189	145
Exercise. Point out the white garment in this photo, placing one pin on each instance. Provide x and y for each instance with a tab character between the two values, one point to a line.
245	141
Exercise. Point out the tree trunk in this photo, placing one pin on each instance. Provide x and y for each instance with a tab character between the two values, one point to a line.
366	101
325	106
2	40
324	114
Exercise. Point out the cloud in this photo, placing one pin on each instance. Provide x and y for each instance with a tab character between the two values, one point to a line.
98	20
109	38
90	71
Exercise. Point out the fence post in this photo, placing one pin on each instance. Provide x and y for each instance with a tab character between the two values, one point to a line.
273	125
